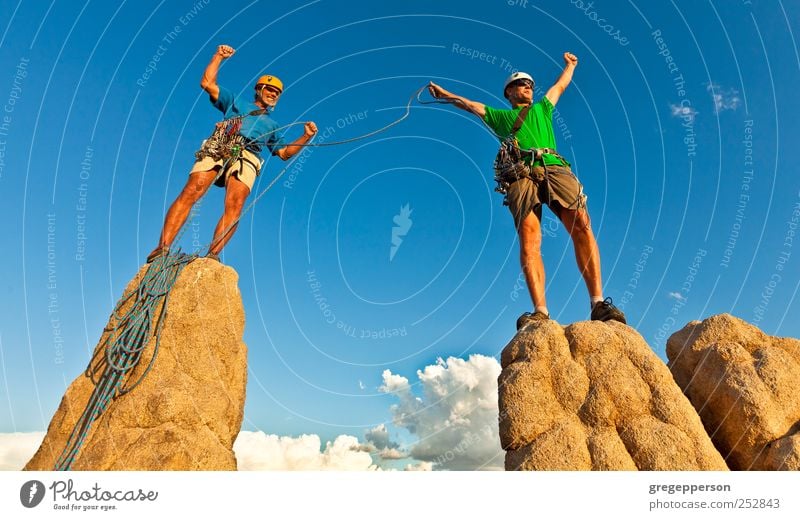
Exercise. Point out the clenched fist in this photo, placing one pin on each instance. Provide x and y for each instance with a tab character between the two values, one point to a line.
570	59
310	129
225	51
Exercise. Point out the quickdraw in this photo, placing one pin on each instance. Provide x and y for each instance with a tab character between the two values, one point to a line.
225	142
509	165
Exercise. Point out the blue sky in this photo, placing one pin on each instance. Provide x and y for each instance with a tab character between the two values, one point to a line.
680	121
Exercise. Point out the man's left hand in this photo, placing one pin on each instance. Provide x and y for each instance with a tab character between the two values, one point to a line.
310	129
570	59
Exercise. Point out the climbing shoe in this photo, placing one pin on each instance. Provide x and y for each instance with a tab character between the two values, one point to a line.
213	256
528	317
606	310
157	253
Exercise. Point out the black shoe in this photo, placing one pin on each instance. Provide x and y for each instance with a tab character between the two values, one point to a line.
605	310
213	256
528	317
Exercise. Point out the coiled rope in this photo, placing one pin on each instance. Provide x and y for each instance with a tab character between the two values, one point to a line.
132	330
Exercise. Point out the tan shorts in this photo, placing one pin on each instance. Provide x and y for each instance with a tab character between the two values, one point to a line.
246	168
560	189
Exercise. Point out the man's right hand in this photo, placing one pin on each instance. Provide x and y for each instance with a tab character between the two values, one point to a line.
225	51
209	80
479	109
435	90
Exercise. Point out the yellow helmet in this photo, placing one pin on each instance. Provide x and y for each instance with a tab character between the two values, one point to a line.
271	81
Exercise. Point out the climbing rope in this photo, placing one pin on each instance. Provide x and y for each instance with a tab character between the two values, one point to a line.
252	203
446	100
112	366
358	137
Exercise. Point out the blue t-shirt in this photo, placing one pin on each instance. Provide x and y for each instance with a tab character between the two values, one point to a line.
260	130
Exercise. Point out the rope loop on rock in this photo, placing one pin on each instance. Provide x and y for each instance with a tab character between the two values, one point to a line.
113	366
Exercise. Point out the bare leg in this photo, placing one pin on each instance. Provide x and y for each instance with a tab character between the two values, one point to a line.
236	193
587	253
196	186
530	257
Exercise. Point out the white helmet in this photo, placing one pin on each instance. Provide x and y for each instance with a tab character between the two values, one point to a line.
516	76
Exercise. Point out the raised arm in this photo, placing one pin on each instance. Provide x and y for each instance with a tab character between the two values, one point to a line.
209	80
309	130
570	62
479	109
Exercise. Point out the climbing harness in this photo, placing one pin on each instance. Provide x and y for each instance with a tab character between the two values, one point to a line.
513	163
225	142
228	145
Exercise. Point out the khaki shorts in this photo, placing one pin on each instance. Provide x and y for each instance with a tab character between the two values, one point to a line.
560	189
246	168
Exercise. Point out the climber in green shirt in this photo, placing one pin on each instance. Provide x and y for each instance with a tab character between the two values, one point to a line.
542	176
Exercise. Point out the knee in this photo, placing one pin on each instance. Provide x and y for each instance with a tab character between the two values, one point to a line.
580	226
234	205
583	237
193	191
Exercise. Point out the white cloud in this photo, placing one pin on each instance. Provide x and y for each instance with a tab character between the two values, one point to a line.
254	451
393	384
379	438
259	451
687	113
377	441
392	454
16	449
456	419
676	296
724	99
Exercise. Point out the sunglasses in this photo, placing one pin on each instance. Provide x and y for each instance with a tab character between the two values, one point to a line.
521	83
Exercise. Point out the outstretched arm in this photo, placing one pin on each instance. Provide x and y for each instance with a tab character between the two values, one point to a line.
209	80
479	109
570	62
285	153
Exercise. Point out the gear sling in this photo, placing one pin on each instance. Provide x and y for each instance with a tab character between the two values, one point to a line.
226	143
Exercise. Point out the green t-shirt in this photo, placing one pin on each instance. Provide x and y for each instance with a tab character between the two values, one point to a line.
536	130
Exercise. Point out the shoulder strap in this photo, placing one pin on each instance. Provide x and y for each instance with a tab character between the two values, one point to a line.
258	112
520	119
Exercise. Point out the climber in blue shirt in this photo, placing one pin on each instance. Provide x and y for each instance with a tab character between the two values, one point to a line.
231	156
